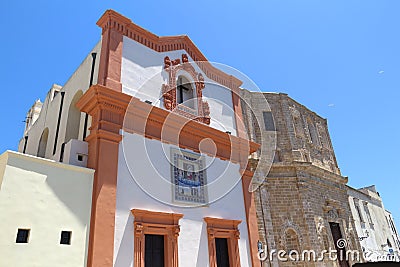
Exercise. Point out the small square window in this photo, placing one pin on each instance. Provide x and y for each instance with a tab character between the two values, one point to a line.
22	236
80	157
65	238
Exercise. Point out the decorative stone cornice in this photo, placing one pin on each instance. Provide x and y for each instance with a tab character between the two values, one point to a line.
309	168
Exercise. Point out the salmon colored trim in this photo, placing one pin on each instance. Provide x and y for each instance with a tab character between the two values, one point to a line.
110	58
157	223
107	108
169	90
169	127
163	125
251	215
112	111
221	228
248	197
237	108
114	22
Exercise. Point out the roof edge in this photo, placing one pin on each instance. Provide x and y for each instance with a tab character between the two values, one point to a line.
114	20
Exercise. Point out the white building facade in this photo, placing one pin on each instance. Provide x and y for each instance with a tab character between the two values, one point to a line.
157	131
44	212
374	225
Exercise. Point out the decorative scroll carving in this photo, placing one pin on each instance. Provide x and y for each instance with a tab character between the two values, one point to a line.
167	63
169	97
185	58
206	113
176	62
333	214
202	111
139	228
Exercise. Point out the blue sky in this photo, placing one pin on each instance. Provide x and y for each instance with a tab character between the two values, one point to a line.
340	58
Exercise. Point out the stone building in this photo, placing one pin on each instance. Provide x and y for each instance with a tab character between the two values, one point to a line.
375	227
141	159
302	203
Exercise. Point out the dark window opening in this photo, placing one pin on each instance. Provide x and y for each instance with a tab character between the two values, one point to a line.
185	92
65	238
222	253
154	251
22	236
357	206
62	152
337	235
277	157
268	121
80	158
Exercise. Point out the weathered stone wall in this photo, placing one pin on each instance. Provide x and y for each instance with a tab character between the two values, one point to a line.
303	191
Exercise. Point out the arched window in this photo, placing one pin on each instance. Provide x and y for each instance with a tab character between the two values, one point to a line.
73	120
43	143
292	241
313	132
185	92
183	95
323	134
297	125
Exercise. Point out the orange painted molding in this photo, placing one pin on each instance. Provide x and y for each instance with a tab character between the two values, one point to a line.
157	223
222	228
112	111
251	215
170	127
237	108
107	108
153	217
156	123
110	58
116	22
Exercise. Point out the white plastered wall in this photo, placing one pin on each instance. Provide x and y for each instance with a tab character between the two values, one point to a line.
192	240
142	76
379	233
48	117
47	198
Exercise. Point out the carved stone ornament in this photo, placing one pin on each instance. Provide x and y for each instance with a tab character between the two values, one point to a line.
169	90
333	214
288	224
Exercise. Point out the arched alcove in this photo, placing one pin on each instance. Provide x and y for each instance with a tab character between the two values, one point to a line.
41	152
73	119
313	133
291	240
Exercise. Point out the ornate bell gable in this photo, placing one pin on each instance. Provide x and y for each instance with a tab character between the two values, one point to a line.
201	111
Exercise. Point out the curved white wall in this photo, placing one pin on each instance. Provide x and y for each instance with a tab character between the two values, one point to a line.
48	117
